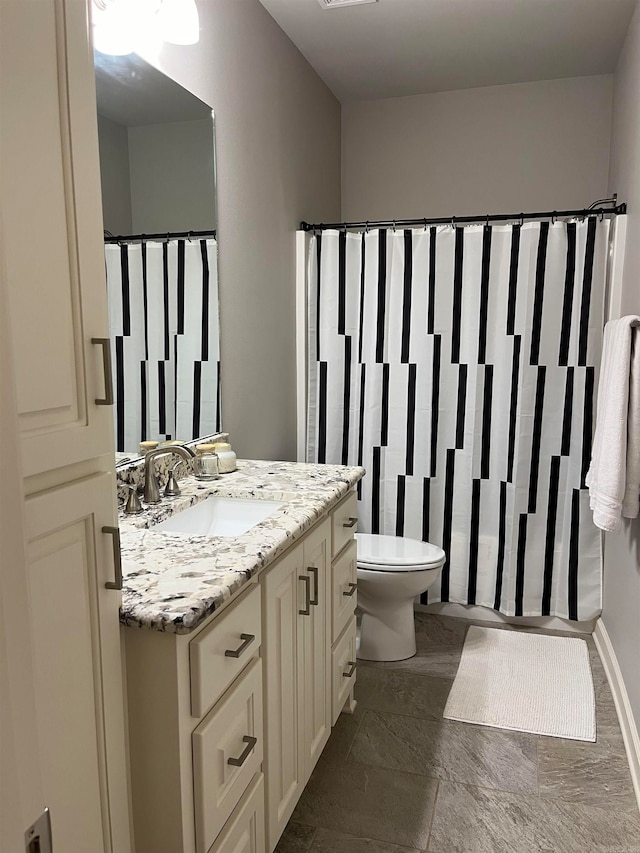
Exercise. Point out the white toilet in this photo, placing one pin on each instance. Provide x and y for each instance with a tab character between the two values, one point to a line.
392	571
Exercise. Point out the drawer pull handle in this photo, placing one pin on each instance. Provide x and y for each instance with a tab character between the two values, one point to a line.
105	343
306	611
352	588
316	586
114	532
350	523
250	743
349	672
247	639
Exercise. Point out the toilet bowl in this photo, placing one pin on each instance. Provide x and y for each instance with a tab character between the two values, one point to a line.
392	571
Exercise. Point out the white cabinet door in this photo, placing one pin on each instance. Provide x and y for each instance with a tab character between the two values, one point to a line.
74	633
52	222
314	648
296	621
284	766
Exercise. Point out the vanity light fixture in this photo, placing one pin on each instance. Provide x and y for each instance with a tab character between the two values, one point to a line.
122	26
336	4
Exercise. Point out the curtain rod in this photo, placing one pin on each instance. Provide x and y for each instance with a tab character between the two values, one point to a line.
459	220
165	235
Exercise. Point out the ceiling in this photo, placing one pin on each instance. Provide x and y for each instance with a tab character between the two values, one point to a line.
407	47
132	93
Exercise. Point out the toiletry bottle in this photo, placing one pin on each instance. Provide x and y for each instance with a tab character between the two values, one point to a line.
205	464
226	457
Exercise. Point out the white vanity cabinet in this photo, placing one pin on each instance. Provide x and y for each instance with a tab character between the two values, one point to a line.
227	723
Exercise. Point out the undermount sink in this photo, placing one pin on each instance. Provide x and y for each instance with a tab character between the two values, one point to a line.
219	517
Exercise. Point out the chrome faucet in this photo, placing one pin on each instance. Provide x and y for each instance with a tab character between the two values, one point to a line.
151	489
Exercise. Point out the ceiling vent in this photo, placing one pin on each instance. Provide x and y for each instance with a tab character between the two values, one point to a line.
337	4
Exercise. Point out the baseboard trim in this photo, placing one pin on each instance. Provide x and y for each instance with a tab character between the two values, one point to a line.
621	698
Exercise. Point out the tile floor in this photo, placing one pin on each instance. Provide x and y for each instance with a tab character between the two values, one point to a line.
397	778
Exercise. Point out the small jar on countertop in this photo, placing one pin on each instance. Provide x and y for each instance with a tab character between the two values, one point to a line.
227	460
205	464
147	446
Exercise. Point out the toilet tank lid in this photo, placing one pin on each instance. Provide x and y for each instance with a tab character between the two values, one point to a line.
378	550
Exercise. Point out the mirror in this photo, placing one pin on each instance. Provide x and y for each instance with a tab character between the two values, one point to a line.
157	168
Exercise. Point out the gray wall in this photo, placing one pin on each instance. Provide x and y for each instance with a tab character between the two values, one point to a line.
531	146
172	177
114	174
278	161
621	614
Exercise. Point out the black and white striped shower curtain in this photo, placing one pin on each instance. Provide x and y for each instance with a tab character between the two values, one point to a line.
163	313
459	365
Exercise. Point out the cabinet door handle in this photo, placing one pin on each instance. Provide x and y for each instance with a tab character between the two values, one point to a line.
250	743
105	343
350	523
306	611
316	586
353	588
114	532
349	672
247	639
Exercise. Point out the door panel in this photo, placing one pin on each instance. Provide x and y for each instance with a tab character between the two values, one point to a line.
78	681
315	657
284	766
52	226
60	568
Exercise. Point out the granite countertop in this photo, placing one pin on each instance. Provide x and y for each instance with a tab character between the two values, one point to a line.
173	581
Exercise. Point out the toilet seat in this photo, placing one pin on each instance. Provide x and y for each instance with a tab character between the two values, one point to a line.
377	552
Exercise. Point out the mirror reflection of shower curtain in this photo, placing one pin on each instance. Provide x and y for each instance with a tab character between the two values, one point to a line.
163	318
459	366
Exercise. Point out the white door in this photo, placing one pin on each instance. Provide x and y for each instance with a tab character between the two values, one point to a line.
76	660
284	767
52	224
314	649
60	663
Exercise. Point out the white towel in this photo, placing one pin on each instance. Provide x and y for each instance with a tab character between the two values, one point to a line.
614	473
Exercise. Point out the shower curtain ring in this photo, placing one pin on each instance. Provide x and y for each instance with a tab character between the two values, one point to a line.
425	226
601	215
366	226
554	216
453	222
487	221
394	226
521	219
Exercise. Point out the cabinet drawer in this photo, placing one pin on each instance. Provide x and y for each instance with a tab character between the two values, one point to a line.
227	752
342	526
220	652
244	831
342	663
344	576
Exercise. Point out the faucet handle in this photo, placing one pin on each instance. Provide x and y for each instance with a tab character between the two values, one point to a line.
133	506
172	489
